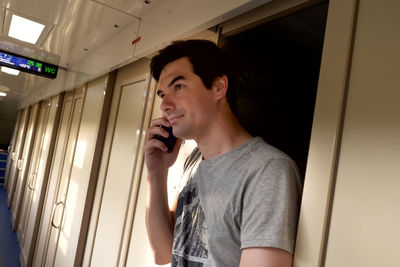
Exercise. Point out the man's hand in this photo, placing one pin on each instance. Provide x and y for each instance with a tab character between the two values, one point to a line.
158	160
159	217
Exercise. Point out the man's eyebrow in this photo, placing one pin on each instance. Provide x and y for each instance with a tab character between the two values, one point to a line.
179	77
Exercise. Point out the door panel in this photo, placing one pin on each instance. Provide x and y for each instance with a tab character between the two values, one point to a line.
59	204
11	149
16	155
73	163
37	186
75	192
57	160
116	181
31	171
364	227
120	174
25	158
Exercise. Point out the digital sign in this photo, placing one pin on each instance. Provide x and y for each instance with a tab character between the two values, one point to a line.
26	64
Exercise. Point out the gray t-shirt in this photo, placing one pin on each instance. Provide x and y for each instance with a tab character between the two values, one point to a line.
248	197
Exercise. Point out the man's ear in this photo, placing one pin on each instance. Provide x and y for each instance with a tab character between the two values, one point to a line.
220	86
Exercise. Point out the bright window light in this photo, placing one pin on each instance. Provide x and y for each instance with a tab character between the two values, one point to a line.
24	29
9	70
2	94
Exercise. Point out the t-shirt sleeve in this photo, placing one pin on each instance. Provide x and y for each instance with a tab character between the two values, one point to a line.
270	206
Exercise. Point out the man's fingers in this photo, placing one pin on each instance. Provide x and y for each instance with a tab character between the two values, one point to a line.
153	144
160	121
156	129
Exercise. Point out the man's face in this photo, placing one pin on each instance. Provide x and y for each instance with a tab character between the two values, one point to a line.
186	102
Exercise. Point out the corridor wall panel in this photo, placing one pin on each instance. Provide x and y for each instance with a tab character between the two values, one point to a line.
117	185
11	149
60	168
16	156
364	228
72	165
38	177
24	164
37	142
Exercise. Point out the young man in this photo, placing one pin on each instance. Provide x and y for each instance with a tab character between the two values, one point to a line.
241	206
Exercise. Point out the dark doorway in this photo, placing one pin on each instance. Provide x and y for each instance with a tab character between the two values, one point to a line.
279	66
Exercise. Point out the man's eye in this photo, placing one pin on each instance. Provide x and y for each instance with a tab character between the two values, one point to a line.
178	86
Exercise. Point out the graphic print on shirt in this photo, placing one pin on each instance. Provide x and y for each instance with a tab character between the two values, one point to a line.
189	248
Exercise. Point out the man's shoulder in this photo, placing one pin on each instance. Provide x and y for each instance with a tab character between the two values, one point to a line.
260	149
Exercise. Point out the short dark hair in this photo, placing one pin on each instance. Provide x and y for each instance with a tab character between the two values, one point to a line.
208	61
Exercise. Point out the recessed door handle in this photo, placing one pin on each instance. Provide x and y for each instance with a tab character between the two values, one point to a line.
32	181
19	164
54	213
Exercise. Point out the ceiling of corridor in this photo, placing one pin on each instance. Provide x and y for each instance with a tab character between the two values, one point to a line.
74	30
92	37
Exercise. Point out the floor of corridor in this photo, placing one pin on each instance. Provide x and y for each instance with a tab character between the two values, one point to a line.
9	247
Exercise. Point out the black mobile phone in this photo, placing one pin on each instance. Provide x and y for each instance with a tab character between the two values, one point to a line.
169	141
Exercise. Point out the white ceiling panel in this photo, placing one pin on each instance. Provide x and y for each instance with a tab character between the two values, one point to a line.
49	11
133	8
93	37
85	27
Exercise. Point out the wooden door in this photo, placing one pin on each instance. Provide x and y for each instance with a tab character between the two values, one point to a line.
72	102
32	165
118	181
74	164
24	164
11	149
63	179
85	161
38	177
15	155
365	217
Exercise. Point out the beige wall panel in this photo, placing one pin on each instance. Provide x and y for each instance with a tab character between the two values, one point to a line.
56	227
126	75
31	176
365	218
57	160
16	154
117	183
25	159
76	189
140	251
120	174
138	239
11	148
37	185
326	131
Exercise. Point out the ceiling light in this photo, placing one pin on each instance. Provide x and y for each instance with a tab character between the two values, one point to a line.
2	94
9	70
24	29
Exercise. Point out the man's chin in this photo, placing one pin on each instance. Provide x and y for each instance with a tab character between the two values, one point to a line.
180	133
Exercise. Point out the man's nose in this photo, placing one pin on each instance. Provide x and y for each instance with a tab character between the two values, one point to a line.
167	104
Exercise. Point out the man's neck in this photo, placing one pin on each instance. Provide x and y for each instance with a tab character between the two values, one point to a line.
225	135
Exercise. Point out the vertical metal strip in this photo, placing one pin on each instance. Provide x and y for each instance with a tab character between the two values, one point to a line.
325	238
